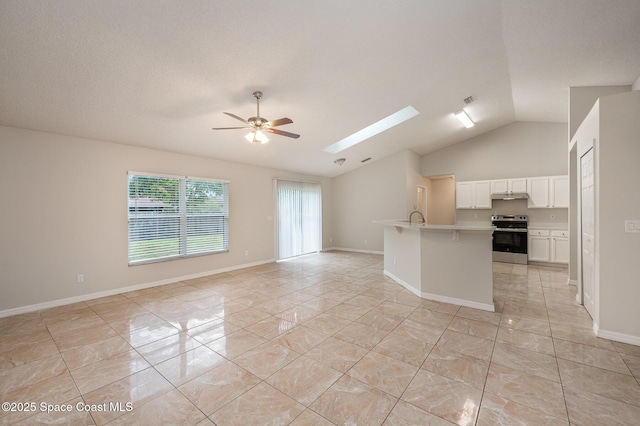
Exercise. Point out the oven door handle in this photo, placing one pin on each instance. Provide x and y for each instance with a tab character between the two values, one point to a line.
511	229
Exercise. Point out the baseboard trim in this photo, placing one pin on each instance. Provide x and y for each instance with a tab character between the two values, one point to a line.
120	290
572	282
462	302
356	250
443	299
615	336
403	283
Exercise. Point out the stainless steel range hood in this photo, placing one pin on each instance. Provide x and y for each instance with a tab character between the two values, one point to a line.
510	196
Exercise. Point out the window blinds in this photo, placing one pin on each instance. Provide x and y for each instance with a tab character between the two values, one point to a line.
299	218
173	217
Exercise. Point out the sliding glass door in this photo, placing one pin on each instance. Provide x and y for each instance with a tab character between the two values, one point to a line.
299	211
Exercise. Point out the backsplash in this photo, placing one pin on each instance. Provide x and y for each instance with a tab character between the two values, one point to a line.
538	218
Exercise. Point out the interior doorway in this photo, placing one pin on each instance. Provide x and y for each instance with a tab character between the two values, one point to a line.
421	205
438	200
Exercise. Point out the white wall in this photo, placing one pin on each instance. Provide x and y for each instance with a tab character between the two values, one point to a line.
581	99
520	149
636	84
618	199
613	129
384	189
64	211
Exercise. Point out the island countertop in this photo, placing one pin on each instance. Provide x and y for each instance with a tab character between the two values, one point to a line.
405	224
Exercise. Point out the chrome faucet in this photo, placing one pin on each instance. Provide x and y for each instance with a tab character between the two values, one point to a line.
419	212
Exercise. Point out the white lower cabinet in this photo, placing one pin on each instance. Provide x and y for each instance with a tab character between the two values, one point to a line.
560	246
548	246
539	248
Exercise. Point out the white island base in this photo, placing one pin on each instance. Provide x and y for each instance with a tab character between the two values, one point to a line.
446	263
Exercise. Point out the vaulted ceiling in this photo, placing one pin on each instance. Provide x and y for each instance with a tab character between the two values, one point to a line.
160	73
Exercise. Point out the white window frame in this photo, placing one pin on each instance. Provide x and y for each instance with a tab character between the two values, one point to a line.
184	216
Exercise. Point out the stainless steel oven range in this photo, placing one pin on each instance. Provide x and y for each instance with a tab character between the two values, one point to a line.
510	238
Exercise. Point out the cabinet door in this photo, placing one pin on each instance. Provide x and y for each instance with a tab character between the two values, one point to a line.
560	246
559	250
464	195
500	186
539	248
538	189
482	194
559	190
518	185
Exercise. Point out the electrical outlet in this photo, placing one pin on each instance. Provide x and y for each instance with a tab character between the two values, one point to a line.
80	278
632	226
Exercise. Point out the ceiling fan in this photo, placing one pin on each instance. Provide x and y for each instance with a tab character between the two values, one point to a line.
258	125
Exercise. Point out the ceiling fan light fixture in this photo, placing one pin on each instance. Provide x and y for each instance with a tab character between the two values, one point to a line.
257	124
257	136
464	119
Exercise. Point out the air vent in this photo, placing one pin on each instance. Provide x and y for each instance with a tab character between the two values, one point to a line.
365	160
468	100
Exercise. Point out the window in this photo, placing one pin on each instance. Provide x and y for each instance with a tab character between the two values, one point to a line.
174	217
299	218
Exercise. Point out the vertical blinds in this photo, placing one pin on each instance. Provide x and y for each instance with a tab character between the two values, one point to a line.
299	218
172	217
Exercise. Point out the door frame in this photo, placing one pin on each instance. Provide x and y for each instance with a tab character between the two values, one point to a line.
580	294
421	201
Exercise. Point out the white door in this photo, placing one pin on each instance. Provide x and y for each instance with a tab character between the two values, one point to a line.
587	212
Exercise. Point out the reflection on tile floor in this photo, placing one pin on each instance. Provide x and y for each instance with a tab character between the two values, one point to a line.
319	340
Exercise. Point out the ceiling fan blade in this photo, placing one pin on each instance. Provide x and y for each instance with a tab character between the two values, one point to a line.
236	117
280	122
282	133
229	128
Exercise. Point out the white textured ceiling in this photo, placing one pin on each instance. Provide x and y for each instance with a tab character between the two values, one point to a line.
160	74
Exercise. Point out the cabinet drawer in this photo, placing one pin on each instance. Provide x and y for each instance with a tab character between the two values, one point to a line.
560	234
538	232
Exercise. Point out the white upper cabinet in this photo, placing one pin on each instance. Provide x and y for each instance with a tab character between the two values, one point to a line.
482	194
545	192
518	185
507	186
548	192
538	189
559	191
500	186
473	195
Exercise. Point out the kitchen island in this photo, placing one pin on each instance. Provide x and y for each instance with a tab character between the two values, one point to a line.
446	263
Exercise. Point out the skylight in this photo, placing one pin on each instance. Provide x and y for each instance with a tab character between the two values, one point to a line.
372	130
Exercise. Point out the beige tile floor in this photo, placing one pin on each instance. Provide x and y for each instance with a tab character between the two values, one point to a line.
319	340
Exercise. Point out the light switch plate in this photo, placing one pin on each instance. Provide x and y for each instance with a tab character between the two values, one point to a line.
632	226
